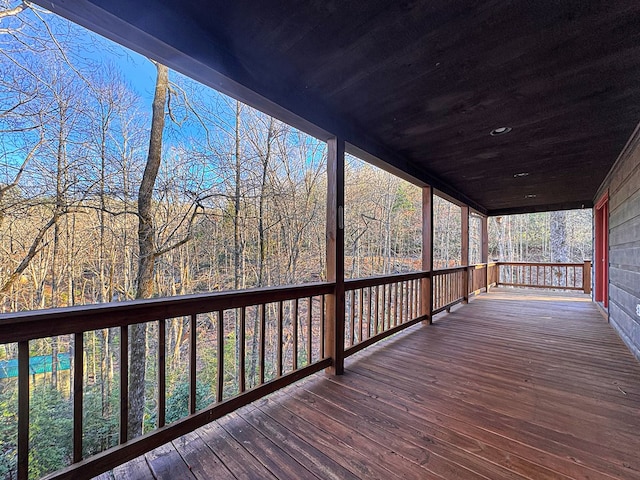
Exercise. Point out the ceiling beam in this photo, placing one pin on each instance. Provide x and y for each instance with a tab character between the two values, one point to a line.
541	208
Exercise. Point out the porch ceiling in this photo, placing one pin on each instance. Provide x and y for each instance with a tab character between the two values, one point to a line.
419	84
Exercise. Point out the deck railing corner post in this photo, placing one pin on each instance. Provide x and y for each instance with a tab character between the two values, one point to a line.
586	277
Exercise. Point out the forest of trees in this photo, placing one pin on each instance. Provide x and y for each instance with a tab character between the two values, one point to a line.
113	189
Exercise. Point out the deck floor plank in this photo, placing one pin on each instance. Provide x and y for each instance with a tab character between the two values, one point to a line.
136	469
312	458
516	384
203	462
167	464
239	461
281	464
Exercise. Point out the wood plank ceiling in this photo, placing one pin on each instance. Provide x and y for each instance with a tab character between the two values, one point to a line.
420	84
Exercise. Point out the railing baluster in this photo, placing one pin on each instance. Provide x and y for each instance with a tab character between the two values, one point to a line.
375	310
365	303
280	339
448	291
409	297
309	332
410	300
294	319
400	318
361	315
387	307
434	290
242	350
162	373
322	326
545	275
364	313
23	410
263	334
413	299
411	285
443	290
353	316
402	303
455	280
220	382
370	325
193	355
395	305
124	383
78	374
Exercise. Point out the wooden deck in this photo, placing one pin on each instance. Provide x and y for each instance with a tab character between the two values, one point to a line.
517	384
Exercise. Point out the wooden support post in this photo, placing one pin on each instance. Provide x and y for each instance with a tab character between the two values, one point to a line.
464	248
484	253
426	284
586	277
334	326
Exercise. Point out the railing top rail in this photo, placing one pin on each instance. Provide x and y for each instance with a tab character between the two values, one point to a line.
442	271
478	266
541	264
29	325
356	283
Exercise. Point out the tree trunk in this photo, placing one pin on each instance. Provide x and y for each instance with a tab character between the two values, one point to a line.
237	235
146	259
262	244
559	247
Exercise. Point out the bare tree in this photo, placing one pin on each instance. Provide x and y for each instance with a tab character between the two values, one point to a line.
147	251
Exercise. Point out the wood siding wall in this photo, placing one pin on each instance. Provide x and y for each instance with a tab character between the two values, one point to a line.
623	183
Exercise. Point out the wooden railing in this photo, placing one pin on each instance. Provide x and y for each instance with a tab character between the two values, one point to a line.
377	307
285	324
482	276
559	276
448	288
284	317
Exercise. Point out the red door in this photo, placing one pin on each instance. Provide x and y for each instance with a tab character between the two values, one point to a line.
601	261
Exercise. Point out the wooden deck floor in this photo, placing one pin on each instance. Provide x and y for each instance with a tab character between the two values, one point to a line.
517	384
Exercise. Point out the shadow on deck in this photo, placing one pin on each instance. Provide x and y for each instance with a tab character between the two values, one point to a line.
516	384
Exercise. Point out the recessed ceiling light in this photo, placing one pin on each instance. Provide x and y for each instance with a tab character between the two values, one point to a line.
500	131
531	195
522	174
